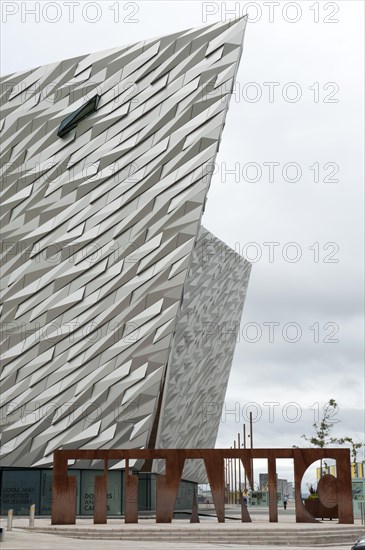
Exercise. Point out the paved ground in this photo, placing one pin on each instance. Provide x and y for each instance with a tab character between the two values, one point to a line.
259	520
21	540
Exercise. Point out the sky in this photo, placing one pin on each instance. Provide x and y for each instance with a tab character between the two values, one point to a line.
287	192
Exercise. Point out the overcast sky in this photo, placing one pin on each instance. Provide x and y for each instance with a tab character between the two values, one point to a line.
289	172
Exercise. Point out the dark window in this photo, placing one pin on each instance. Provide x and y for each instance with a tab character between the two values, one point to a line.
19	490
70	122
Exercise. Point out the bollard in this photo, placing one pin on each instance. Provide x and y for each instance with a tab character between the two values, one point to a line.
10	520
31	515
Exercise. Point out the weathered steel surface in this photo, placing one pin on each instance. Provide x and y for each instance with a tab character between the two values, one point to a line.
245	515
301	463
63	493
344	491
214	466
100	496
194	518
273	499
327	491
131	499
63	500
64	486
247	464
303	458
100	499
131	496
167	487
318	510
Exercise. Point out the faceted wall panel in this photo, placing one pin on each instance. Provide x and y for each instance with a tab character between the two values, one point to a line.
203	348
102	201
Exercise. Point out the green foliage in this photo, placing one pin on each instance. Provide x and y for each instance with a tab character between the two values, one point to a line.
348	440
324	426
312	492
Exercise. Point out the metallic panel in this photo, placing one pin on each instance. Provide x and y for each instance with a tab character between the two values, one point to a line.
203	347
99	228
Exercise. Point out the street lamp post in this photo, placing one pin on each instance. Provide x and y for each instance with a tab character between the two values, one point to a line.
251	431
239	465
244	446
235	476
231	479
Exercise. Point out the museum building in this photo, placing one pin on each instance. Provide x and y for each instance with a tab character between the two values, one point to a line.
120	310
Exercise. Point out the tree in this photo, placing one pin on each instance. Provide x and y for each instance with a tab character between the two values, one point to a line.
323	428
353	445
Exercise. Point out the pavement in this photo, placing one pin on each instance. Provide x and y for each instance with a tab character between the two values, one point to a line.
23	538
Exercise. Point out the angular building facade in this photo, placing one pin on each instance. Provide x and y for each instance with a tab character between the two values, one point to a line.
116	301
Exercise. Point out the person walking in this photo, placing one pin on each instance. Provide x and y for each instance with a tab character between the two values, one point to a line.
285	502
